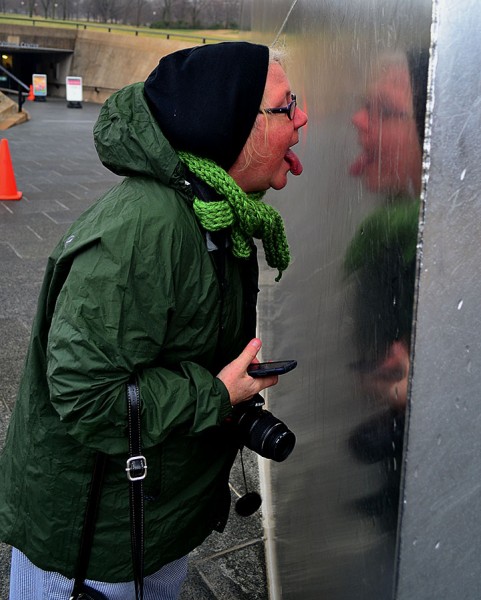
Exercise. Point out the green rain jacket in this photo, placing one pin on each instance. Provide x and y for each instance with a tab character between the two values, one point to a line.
130	289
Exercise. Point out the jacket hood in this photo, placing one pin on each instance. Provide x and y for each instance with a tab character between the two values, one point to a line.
128	139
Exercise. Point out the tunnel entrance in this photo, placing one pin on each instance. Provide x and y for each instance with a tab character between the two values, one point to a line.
24	61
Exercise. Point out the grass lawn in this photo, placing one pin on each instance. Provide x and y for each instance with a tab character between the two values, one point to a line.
213	35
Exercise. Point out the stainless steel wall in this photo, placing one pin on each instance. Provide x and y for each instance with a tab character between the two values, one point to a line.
440	528
344	307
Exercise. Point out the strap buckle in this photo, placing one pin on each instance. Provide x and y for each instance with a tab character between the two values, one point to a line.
136	468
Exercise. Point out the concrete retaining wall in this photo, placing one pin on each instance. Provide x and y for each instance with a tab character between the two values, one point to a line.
45	37
105	61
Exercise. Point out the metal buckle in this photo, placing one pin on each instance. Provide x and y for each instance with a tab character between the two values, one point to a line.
132	467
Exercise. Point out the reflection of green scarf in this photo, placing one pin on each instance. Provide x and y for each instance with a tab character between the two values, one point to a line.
389	227
245	214
382	255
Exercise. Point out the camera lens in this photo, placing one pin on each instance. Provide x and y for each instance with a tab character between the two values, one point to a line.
267	435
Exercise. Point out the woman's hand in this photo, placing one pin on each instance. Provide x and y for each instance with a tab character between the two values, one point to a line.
239	384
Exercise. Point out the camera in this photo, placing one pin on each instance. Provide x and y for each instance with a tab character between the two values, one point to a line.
260	431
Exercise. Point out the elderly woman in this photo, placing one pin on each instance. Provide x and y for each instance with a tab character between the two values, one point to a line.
158	279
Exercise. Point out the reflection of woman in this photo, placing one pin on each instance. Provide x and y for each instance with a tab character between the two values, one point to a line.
390	127
382	258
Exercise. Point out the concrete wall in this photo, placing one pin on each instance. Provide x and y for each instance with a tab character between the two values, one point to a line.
105	61
45	37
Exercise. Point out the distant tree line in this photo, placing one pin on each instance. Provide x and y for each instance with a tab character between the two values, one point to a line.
163	14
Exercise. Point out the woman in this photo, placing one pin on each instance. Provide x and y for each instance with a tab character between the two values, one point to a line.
158	279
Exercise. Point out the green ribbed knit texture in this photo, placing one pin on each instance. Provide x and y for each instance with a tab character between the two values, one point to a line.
245	214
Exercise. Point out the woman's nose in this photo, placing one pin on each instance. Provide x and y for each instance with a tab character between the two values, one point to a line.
360	119
300	118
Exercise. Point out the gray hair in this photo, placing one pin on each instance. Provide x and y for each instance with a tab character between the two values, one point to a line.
277	54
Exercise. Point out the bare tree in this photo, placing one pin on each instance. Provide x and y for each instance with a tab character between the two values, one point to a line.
135	10
64	9
196	8
87	9
165	10
31	8
46	5
232	11
184	13
105	10
224	13
101	9
76	9
11	6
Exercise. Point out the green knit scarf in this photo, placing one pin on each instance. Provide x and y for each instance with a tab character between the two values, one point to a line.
245	214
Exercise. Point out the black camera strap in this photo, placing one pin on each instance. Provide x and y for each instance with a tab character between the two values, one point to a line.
136	469
247	504
136	472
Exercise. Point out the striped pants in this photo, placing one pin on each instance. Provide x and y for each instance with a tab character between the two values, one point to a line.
28	582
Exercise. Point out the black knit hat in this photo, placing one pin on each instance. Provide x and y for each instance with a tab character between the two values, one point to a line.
206	98
418	63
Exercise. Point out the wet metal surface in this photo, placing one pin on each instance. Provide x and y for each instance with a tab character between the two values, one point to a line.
344	307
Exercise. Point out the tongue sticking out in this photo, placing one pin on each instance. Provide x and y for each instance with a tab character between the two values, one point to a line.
294	162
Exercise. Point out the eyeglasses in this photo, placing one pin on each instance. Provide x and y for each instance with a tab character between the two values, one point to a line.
289	110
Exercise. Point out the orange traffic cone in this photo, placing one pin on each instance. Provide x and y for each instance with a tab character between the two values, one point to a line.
31	95
8	187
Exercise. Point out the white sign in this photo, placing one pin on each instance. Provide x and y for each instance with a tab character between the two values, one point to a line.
74	89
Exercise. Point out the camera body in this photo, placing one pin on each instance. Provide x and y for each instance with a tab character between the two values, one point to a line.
260	431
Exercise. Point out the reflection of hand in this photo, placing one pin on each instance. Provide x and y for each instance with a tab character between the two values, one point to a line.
234	376
387	382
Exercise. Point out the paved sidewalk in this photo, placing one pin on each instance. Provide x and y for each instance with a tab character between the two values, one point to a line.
57	169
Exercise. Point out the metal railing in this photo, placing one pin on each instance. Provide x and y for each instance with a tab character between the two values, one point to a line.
20	84
110	28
